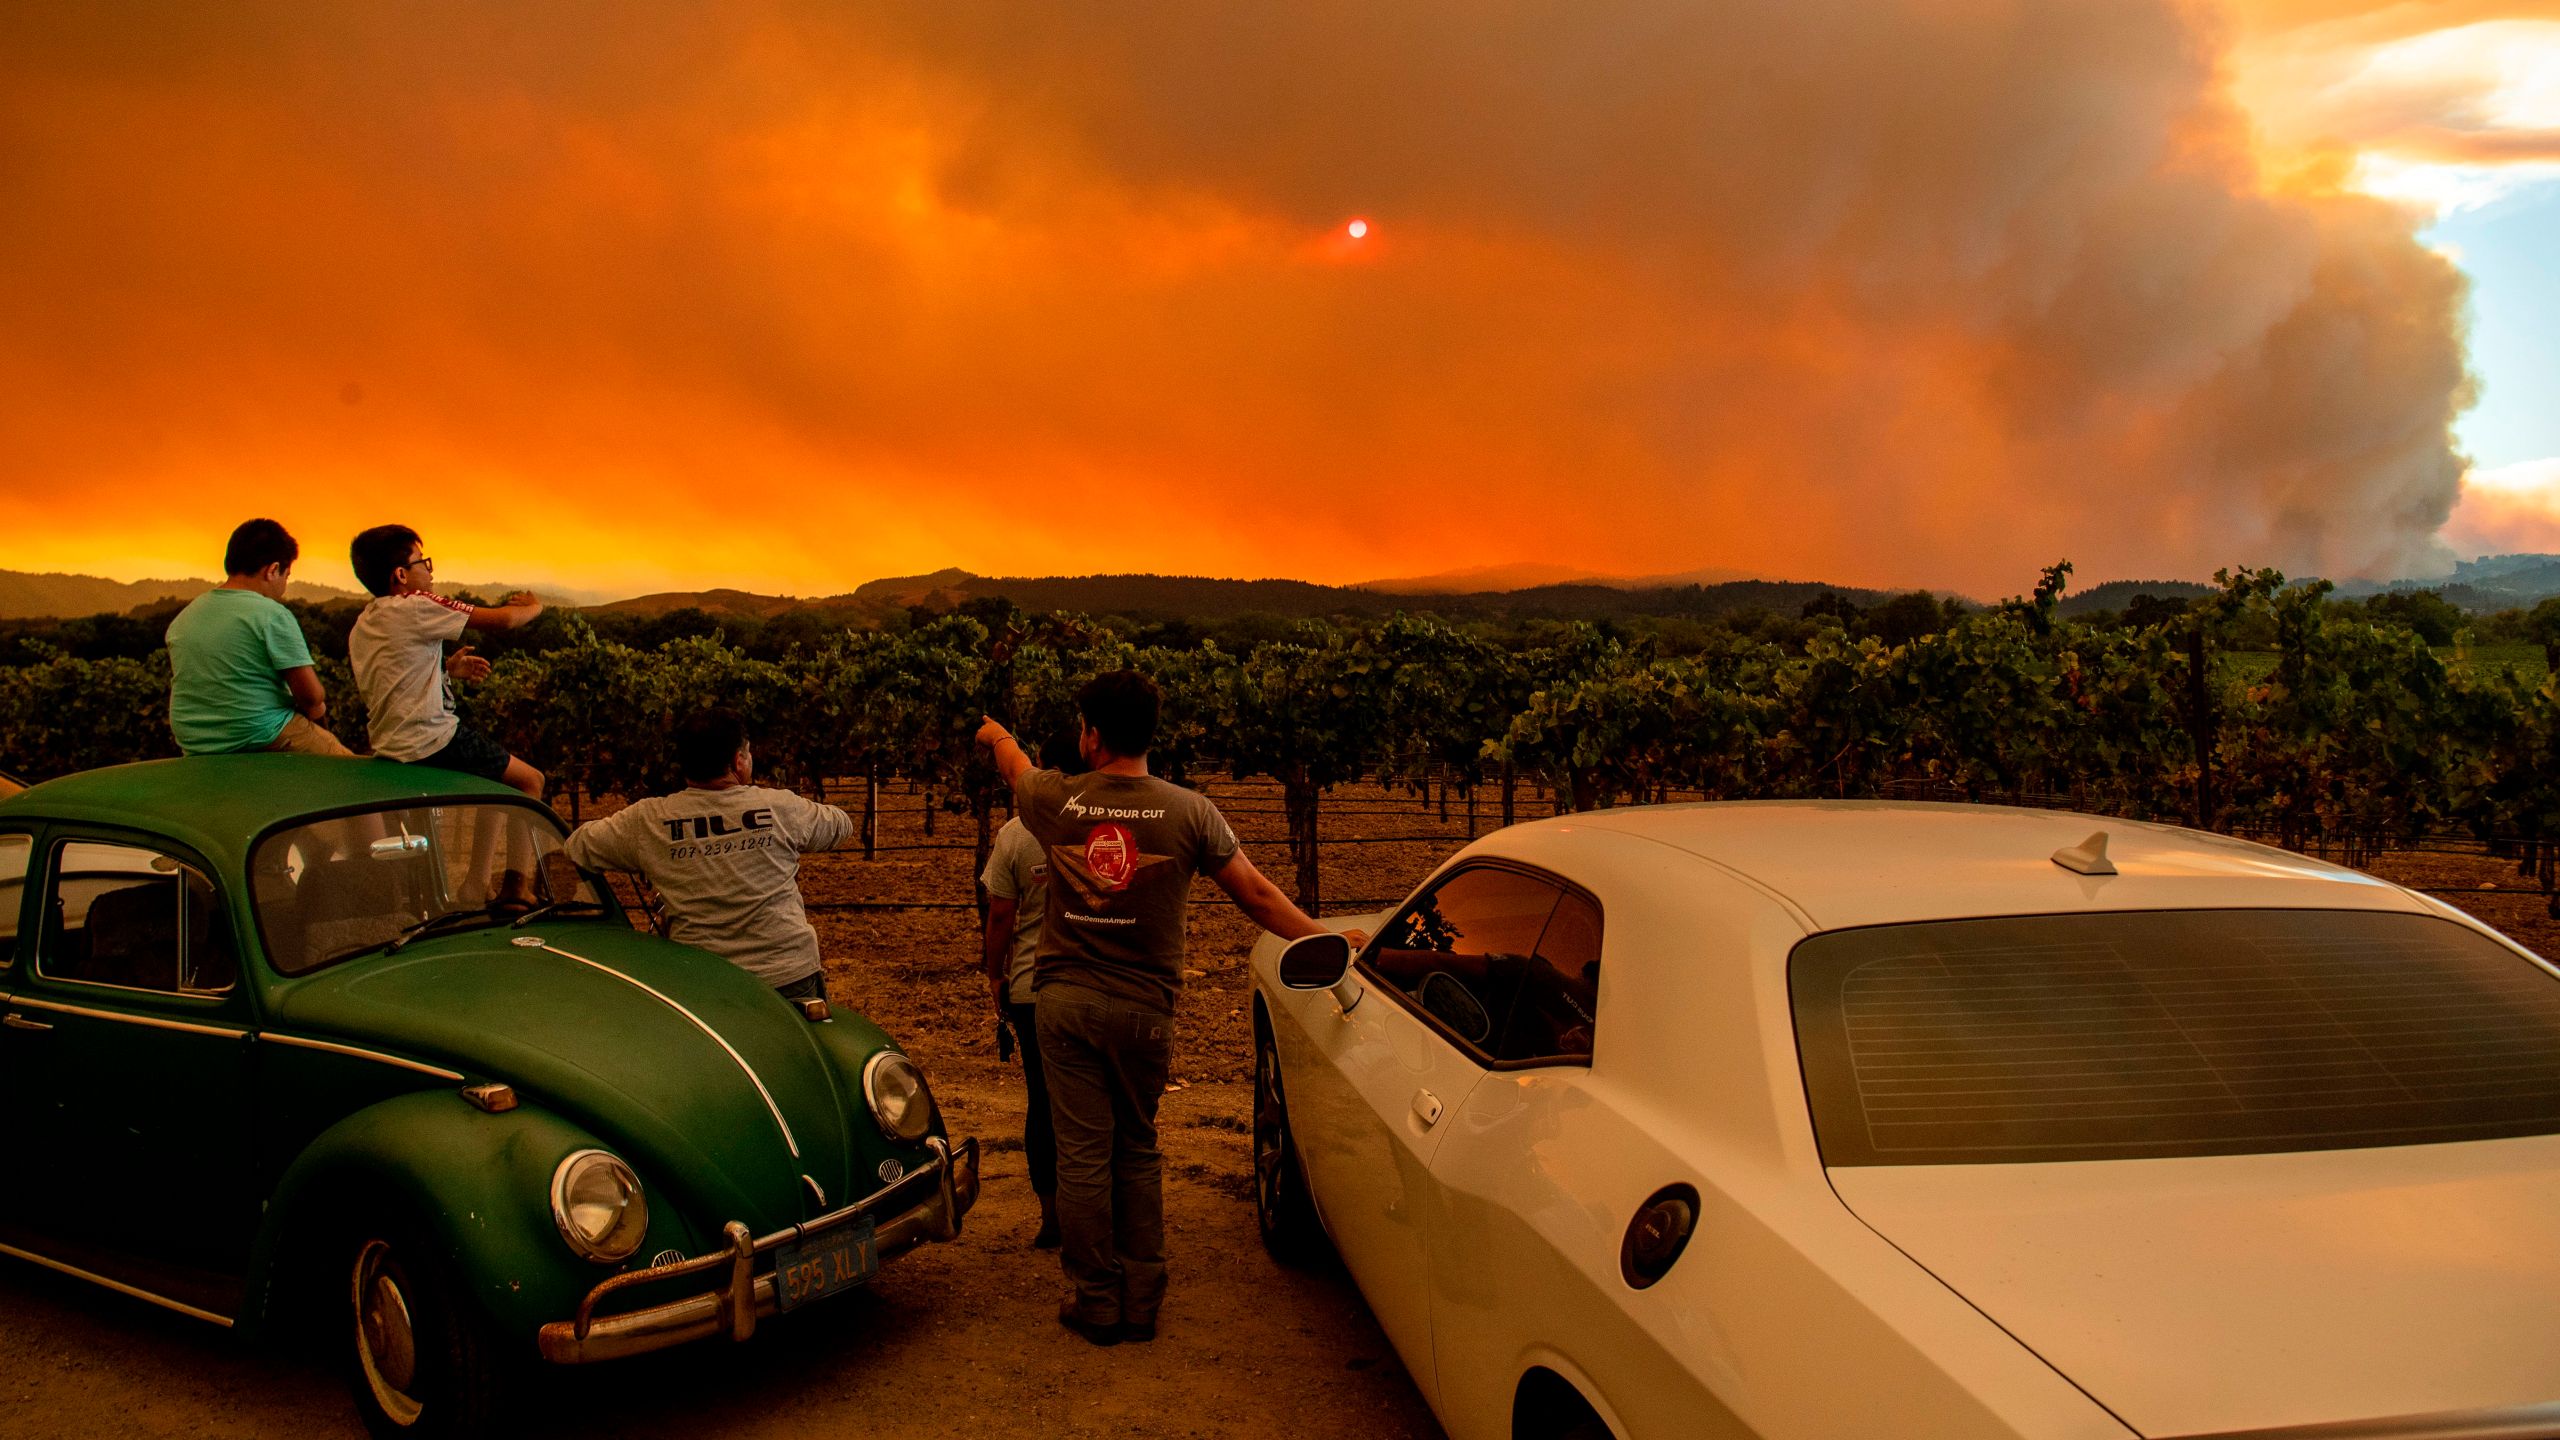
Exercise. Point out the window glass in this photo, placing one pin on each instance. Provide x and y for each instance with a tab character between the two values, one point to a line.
209	964
2118	1036
1471	955
15	851
354	884
1557	1007
133	918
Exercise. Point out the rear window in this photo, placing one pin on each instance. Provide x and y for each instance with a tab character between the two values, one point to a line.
2130	1035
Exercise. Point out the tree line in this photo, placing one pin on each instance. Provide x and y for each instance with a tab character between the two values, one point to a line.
2263	707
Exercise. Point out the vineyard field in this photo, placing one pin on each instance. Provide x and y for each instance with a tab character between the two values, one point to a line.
2262	708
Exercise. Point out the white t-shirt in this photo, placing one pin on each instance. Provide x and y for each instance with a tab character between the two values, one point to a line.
1018	870
397	648
727	863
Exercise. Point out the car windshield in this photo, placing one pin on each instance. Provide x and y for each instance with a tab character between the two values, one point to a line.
354	884
2118	1036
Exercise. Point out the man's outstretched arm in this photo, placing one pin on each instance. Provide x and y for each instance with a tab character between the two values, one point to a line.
1262	902
1011	763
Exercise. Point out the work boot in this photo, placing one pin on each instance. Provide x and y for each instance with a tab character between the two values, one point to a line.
1098	1331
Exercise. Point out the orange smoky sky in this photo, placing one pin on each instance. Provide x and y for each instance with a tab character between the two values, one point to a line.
789	296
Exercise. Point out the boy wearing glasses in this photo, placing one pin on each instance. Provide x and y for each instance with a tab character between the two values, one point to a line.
397	648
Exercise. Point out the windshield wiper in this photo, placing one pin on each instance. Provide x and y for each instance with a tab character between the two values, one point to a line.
556	907
433	923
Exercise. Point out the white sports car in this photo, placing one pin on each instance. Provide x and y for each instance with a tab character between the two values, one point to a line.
1876	1122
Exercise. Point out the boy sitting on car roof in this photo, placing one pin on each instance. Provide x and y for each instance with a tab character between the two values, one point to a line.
240	673
724	855
397	647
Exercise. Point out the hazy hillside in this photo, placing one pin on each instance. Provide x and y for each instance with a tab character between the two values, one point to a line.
1194	597
718	602
29	597
2116	594
1491	579
2493	583
26	596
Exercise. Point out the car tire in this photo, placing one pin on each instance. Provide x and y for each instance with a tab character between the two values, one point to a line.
421	1360
1283	1207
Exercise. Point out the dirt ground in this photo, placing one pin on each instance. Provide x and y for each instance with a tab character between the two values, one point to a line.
958	1338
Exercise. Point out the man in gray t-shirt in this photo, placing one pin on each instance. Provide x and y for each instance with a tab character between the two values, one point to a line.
1122	847
724	856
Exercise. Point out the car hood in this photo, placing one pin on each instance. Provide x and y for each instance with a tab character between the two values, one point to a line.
674	1057
2200	1296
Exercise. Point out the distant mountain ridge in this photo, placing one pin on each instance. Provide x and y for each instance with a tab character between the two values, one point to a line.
25	596
1194	597
1530	575
2490	583
53	595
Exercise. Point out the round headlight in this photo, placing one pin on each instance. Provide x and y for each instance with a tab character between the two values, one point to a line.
899	1098
596	1202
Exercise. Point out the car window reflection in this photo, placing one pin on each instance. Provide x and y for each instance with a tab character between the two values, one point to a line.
1523	956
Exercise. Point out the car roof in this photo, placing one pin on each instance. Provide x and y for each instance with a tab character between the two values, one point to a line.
219	803
1845	863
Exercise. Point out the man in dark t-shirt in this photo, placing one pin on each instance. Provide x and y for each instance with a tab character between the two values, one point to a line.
1122	847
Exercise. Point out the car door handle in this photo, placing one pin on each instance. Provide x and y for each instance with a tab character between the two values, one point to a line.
1426	1108
16	1021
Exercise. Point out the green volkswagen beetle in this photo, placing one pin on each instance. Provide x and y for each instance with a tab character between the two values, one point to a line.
282	1029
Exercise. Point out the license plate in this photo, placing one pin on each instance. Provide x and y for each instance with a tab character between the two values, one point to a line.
817	1268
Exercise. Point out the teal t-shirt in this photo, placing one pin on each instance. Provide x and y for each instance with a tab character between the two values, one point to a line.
228	651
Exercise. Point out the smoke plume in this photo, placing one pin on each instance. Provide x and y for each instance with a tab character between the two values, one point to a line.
796	294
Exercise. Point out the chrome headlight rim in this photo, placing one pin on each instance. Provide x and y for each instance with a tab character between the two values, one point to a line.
635	1210
918	1120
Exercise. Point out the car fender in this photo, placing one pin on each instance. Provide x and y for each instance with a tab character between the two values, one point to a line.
480	1185
1556	1363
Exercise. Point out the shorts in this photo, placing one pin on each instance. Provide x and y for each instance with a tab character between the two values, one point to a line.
472	753
300	737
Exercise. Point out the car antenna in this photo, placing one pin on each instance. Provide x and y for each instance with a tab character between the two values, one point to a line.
2089	857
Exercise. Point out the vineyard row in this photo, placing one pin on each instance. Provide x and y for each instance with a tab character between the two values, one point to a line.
2356	738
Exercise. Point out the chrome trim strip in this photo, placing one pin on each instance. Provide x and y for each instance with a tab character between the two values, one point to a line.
153	1021
788	1139
2519	1422
118	1286
332	1047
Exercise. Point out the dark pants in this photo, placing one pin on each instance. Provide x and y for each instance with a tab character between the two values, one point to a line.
812	986
1107	1060
1039	1136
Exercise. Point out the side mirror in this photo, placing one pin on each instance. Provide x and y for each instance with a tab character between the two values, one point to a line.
1314	962
1321	962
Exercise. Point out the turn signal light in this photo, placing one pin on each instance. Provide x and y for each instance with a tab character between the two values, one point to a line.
813	1011
1658	1234
496	1099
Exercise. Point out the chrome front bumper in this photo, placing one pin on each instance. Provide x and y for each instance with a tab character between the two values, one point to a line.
933	1198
